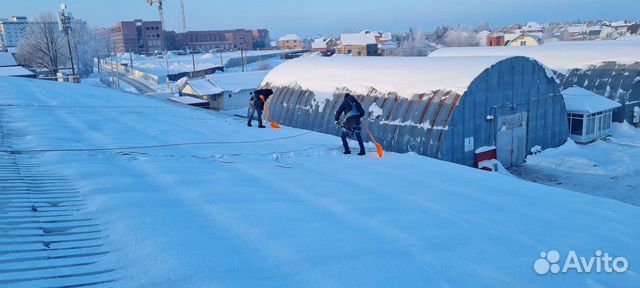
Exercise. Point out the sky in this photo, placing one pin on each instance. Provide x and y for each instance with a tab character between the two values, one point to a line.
314	17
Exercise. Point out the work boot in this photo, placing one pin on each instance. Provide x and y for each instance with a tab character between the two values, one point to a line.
346	152
260	125
362	153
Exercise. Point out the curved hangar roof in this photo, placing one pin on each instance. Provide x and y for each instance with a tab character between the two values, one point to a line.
560	56
405	76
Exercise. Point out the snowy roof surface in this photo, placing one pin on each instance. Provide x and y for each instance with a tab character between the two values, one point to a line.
319	43
510	36
187	100
6	59
309	231
289	37
14	71
406	76
560	56
204	87
581	100
358	38
533	26
620	24
235	82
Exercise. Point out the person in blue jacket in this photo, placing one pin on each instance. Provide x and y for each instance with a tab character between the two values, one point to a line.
352	109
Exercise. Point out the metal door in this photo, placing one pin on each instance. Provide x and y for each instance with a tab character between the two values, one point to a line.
511	139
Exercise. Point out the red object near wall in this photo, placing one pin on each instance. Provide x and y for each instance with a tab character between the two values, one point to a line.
486	155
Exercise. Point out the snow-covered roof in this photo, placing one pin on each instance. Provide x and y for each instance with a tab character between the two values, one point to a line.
204	86
620	24
14	71
6	59
319	43
581	100
406	76
576	29
289	37
358	38
510	36
235	82
560	56
187	100
533	26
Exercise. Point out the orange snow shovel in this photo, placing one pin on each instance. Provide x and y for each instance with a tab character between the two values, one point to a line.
273	124
378	146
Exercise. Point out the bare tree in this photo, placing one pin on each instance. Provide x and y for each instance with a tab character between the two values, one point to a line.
86	47
415	45
43	45
460	37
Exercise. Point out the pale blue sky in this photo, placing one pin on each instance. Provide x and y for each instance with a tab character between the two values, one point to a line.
317	17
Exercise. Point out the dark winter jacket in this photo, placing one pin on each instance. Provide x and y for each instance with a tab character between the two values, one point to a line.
258	103
353	111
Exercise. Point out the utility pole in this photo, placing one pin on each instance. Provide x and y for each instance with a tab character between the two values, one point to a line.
184	20
131	61
65	26
193	60
242	57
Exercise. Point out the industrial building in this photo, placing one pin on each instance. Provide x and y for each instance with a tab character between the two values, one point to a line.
139	36
610	68
449	108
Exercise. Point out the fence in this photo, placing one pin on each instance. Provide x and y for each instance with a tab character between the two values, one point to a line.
133	72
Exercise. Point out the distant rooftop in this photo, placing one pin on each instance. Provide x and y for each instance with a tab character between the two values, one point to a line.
289	37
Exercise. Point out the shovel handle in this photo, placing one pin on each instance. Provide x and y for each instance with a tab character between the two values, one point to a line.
369	132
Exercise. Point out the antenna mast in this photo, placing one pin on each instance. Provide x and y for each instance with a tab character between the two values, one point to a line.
184	20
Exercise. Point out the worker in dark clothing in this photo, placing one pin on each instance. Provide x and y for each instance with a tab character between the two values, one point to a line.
256	104
352	109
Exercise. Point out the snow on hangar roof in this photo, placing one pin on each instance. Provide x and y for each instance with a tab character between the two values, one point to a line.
560	56
406	76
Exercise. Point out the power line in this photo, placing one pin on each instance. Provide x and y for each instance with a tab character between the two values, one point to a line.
154	146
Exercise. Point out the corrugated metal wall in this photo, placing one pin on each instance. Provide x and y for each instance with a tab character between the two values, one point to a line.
436	124
512	86
618	82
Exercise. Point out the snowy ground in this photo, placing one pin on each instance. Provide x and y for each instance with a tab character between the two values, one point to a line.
609	169
294	212
184	63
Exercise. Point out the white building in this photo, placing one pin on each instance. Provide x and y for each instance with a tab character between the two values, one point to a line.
590	114
482	37
533	27
236	88
12	30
